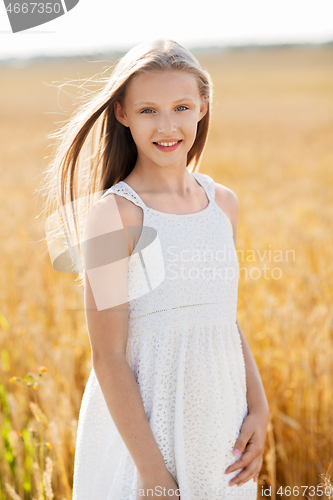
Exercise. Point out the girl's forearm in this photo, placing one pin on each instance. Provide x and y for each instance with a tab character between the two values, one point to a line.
123	399
256	397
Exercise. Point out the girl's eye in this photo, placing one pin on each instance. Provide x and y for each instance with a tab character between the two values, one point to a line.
149	109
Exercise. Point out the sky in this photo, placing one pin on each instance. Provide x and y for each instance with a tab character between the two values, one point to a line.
104	25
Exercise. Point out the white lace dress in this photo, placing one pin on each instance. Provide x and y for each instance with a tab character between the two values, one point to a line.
185	351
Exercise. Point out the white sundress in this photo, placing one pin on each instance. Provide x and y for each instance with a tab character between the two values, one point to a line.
185	351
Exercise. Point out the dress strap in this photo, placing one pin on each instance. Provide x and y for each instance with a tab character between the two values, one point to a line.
207	183
123	189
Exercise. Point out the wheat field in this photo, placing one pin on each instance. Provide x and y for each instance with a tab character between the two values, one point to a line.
271	142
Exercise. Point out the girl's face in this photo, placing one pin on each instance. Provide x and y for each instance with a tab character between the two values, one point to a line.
162	107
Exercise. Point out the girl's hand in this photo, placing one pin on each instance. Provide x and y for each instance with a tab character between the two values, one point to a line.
160	483
253	437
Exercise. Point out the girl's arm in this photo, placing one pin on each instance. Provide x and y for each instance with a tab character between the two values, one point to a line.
108	330
256	397
251	440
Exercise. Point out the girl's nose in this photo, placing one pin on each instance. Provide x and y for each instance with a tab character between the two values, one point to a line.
166	125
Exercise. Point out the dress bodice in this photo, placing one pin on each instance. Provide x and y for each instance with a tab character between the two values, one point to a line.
181	261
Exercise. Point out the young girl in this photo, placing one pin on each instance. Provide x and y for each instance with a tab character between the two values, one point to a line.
174	389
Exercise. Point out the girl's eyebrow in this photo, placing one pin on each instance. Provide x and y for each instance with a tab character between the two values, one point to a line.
140	103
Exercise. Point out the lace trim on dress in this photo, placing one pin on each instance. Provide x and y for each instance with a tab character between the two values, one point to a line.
127	192
177	307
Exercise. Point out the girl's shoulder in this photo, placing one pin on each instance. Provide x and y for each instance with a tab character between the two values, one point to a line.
115	212
223	195
227	200
226	197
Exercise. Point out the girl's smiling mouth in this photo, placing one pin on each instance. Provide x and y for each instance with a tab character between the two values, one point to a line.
167	145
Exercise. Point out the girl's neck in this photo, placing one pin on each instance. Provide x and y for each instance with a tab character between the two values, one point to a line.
180	192
161	181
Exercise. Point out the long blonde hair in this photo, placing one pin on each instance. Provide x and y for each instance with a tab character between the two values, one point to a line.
94	150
